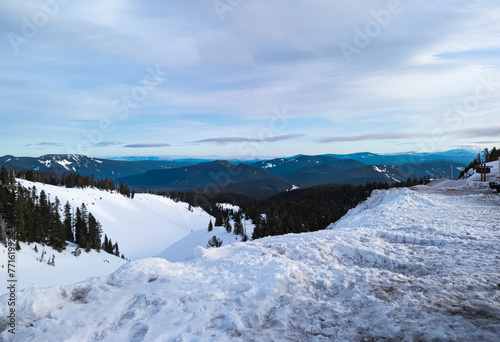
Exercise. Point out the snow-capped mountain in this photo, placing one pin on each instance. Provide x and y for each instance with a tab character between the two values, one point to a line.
254	179
416	264
219	174
85	165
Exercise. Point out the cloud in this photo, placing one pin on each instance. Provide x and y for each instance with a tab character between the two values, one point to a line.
89	65
45	144
378	136
147	145
107	144
478	132
469	133
233	140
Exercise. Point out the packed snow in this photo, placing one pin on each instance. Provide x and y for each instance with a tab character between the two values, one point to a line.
143	226
406	265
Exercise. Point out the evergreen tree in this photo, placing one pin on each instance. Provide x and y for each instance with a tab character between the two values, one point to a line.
227	225
238	225
105	243
68	223
4	176
21	210
57	238
219	222
80	229
43	228
210	226
214	242
95	233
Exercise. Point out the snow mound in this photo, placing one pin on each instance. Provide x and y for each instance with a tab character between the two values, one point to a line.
406	265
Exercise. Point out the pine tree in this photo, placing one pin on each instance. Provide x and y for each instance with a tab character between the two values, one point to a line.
238	225
58	232
214	242
227	225
210	226
68	223
219	222
79	223
94	233
44	223
21	209
4	176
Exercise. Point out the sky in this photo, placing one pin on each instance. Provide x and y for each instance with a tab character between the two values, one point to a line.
247	78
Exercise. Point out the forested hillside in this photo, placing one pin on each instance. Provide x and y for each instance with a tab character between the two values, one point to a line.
37	218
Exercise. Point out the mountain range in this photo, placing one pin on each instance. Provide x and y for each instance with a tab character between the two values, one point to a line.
85	165
258	179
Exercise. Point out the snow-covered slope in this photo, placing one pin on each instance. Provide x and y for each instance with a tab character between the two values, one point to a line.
407	265
492	176
68	269
186	247
143	226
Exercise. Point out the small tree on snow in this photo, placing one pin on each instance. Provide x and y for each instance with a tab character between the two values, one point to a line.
52	261
227	225
214	242
210	226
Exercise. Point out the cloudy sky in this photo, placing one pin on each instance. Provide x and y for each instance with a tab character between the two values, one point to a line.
248	77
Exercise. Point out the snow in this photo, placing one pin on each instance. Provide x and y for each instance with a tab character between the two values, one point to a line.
143	226
228	206
68	269
64	163
47	163
492	176
416	264
186	248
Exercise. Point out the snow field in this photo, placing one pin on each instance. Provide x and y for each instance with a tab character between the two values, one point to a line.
406	265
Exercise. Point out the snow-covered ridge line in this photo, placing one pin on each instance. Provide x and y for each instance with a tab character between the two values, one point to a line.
406	265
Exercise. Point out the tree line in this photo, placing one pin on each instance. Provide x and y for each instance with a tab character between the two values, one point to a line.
297	211
75	180
37	219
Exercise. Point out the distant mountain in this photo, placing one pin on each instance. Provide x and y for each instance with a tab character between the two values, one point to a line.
220	176
257	179
84	165
313	175
359	168
435	169
285	167
457	155
306	171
